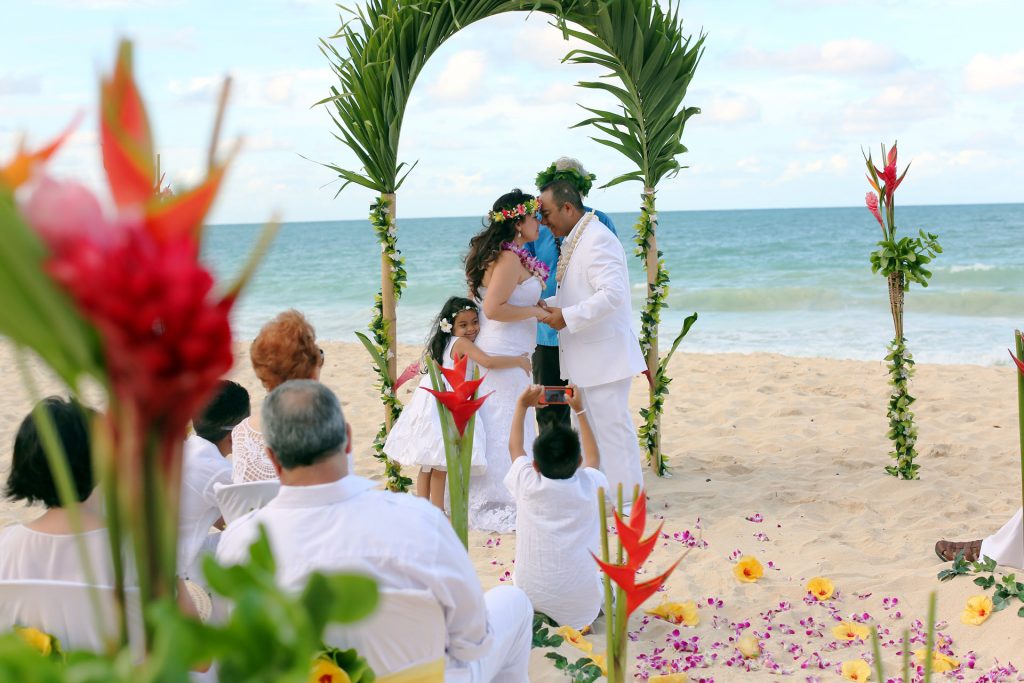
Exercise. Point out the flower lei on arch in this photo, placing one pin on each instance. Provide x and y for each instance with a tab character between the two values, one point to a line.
539	269
581	182
530	206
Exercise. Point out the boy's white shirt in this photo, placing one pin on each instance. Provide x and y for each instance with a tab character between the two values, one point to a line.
557	527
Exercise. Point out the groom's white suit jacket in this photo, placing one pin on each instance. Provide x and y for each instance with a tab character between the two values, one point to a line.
597	345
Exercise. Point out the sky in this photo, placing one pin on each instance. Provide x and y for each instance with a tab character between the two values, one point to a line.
791	91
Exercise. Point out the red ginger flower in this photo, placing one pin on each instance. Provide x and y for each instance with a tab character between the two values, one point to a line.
871	199
637	550
1018	362
460	399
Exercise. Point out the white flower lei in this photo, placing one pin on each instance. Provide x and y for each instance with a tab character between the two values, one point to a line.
563	260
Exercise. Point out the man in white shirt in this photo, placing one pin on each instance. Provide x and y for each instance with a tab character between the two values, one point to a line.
325	519
558	524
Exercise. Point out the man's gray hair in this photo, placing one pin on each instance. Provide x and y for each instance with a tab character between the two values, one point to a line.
303	423
568	163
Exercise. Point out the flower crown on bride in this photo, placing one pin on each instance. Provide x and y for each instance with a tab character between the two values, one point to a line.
530	206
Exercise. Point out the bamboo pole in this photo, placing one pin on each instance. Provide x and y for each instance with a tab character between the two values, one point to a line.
651	265
387	296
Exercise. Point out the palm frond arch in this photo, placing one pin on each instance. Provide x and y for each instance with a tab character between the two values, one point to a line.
381	49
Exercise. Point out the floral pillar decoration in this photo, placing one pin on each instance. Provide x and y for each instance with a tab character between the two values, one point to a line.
457	410
1019	362
901	261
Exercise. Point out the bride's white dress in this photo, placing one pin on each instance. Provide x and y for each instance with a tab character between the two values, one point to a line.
491	506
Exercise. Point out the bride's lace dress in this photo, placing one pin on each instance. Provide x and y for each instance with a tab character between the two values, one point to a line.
491	507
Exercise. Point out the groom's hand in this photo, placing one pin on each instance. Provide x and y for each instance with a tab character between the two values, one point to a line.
554	319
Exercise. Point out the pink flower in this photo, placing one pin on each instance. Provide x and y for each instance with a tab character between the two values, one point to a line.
871	199
62	210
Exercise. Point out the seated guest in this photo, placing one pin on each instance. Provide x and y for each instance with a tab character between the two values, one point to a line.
46	548
1005	546
558	524
326	520
284	349
203	465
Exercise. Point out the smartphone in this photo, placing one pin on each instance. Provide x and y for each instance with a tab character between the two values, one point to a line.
555	395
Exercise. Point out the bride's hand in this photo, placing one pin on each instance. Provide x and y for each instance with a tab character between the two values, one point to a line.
540	312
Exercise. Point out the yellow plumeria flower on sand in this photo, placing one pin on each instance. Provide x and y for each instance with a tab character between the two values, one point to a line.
849	630
599	660
684	613
748	569
326	671
37	639
940	662
669	678
821	588
748	646
574	637
856	670
978	609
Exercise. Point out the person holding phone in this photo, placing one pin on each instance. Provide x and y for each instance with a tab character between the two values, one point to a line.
559	524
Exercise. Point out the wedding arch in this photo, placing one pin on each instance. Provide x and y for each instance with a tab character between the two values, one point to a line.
650	62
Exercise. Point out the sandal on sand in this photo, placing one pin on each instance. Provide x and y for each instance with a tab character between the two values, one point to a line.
947	550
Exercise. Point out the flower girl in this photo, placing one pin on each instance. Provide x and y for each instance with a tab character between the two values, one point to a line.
415	439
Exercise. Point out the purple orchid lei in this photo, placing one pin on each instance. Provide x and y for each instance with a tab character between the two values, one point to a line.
531	263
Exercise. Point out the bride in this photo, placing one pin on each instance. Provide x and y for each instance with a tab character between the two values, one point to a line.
508	283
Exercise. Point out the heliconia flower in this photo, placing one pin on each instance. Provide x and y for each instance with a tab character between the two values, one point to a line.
856	670
871	199
326	671
748	569
575	638
849	630
125	137
749	646
678	677
940	662
684	613
19	169
1017	361
821	588
459	401
637	551
888	175
978	609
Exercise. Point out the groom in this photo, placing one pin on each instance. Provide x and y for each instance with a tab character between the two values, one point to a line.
591	310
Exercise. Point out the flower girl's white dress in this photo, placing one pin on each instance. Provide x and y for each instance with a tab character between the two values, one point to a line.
415	439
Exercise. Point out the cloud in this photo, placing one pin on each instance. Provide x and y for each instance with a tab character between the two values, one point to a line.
461	77
849	56
197	89
835	164
731	108
985	72
749	165
21	84
111	4
277	89
905	101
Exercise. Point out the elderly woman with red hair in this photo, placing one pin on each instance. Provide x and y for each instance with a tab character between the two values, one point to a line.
284	349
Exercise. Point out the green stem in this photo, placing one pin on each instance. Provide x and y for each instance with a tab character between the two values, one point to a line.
930	642
609	616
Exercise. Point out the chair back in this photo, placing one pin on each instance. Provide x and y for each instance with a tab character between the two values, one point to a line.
404	640
236	500
65	609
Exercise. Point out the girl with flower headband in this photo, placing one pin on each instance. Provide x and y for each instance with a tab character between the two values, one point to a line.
415	439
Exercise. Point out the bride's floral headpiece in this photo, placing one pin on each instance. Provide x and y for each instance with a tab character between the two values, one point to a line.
530	206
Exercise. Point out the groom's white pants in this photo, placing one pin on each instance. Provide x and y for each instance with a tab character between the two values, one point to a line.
607	407
510	620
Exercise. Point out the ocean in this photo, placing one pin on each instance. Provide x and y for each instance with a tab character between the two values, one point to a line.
790	281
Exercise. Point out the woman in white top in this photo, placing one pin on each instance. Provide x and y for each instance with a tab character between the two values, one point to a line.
284	349
46	548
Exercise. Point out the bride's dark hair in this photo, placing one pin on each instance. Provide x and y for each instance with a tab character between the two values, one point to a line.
485	247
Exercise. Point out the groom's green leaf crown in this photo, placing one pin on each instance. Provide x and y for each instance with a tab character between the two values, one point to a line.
581	182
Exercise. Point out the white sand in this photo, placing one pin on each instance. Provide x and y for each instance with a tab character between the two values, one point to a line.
800	441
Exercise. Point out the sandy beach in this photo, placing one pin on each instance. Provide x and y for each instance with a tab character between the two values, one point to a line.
798	443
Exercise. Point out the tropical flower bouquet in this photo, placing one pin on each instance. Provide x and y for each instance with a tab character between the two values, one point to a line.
117	296
457	410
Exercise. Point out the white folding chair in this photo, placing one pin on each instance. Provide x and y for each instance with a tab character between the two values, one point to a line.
404	640
64	609
236	500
